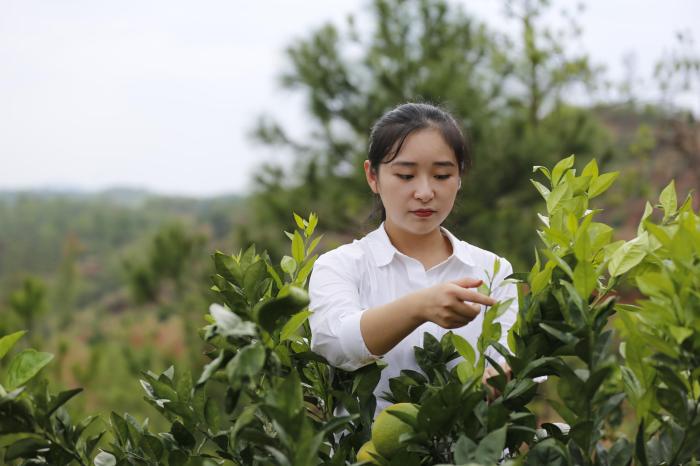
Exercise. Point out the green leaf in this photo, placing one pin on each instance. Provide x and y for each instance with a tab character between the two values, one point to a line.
227	267
210	369
275	276
120	428
542	189
182	436
270	312
464	349
640	445
548	452
542	278
591	169
298	248
244	418
230	324
8	439
8	341
287	396
570	389
313	221
246	363
560	168
464	450
313	244
674	402
556	196
582	246
543	170
585	279
601	184
658	232
496	266
212	414
25	366
648	209
668	200
305	270
183	383
627	256
293	324
254	274
153	446
490	449
299	221
61	399
25	448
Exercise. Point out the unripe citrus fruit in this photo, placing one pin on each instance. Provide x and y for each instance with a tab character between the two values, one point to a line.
387	428
366	451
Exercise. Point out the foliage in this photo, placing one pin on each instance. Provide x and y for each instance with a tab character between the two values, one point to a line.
33	423
265	398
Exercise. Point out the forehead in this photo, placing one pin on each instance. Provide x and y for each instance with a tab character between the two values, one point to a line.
425	147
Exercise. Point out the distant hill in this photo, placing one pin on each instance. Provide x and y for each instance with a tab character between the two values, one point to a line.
40	229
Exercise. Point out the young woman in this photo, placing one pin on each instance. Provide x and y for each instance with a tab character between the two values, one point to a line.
375	298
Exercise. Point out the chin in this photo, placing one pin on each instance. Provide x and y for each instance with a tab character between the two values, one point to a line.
421	226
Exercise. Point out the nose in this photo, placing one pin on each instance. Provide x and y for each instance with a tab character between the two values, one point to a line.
424	190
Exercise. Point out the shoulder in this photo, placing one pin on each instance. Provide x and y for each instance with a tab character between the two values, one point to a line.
485	257
344	254
348	256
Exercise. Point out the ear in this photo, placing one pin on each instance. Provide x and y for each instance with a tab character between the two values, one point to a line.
371	176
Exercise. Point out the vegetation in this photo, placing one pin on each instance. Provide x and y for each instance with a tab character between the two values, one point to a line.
265	398
113	284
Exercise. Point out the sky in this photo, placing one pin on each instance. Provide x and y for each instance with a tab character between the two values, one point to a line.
162	95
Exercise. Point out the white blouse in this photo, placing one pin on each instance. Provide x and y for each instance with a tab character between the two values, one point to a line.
371	272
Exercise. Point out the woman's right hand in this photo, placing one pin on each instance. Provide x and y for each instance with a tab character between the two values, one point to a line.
452	304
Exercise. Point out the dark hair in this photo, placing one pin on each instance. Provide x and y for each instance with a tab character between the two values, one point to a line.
391	130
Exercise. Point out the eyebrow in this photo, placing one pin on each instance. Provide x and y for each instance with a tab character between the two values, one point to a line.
446	163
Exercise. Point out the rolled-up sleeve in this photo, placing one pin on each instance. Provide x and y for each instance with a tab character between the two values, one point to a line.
336	312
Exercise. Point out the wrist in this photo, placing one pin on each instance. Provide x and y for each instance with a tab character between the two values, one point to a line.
416	305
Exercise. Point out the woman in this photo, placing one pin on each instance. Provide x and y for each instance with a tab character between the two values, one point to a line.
375	298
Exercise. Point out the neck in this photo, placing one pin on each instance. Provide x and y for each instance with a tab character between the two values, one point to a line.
427	248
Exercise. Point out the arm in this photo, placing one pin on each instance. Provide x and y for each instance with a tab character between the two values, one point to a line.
450	305
350	337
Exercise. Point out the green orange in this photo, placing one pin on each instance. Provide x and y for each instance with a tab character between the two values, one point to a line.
387	428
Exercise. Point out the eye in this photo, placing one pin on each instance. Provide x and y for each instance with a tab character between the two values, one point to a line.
404	177
442	177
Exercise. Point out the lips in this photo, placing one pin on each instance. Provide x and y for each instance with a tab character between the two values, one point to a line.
423	212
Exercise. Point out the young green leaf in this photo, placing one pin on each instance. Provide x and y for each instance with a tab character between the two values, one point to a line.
25	366
8	341
299	221
601	184
560	168
668	200
298	248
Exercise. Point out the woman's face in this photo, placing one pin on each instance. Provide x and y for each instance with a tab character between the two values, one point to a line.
418	187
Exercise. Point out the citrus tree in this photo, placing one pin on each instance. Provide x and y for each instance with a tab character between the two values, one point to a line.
265	398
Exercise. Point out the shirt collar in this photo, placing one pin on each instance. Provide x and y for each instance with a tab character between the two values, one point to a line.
383	250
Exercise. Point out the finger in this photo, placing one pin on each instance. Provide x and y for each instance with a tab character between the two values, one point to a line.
466	310
456	322
475	297
468	282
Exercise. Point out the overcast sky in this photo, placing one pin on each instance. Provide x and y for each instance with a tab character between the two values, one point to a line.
161	94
